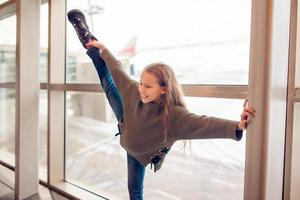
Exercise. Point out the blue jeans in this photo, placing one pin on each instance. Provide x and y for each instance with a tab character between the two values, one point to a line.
135	170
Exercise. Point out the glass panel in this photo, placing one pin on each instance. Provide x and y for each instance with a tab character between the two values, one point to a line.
203	41
8	49
214	169
43	107
7	96
93	153
295	174
7	124
43	111
44	43
3	1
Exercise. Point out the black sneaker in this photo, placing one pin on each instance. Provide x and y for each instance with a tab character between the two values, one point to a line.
77	19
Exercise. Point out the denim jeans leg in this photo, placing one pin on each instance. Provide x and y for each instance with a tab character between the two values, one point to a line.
107	82
136	174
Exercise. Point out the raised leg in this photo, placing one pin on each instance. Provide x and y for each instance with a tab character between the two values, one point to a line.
107	82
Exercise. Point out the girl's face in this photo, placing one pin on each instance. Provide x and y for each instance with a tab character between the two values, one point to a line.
149	88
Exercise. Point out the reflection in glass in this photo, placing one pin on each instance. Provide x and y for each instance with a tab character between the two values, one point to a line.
214	169
207	43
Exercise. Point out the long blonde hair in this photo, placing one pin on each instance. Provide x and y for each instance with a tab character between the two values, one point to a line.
173	93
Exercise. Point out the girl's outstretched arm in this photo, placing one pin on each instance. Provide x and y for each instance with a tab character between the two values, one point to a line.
122	80
191	126
188	125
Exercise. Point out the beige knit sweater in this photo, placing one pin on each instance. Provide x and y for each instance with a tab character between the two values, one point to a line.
142	128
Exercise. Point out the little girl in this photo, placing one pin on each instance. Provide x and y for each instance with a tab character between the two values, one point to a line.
151	114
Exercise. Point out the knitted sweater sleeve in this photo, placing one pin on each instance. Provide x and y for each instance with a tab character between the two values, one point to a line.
122	80
191	126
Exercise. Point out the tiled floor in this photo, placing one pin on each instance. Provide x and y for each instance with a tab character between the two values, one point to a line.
7	188
6	193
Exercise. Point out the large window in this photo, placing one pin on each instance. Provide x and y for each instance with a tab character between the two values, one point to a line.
8	78
204	41
7	95
213	169
7	124
43	106
94	157
179	34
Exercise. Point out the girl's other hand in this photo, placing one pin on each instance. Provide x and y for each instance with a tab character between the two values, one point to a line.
247	115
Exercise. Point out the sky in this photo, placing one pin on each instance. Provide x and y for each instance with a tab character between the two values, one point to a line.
221	27
168	22
155	22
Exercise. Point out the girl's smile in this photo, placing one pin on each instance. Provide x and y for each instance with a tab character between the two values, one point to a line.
149	89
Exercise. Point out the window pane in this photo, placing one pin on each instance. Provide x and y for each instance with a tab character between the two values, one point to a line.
295	180
43	110
8	49
204	41
94	158
7	96
7	124
43	107
214	169
3	1
44	43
